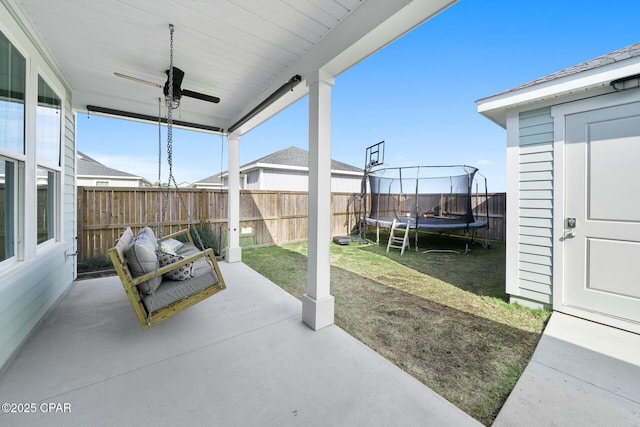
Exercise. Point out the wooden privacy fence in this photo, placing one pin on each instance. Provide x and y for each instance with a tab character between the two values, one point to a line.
266	217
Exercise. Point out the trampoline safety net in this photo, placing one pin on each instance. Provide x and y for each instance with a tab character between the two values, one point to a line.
435	198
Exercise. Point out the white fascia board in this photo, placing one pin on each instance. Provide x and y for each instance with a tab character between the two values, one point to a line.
350	173
114	178
273	166
118	177
258	166
576	86
281	167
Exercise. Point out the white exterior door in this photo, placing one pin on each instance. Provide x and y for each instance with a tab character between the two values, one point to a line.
602	193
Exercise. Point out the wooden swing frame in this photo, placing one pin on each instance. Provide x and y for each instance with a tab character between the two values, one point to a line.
130	284
116	254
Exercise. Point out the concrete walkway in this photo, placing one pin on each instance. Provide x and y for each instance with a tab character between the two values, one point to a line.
240	358
581	374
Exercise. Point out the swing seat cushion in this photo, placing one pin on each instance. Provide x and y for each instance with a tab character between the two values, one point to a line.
141	259
170	291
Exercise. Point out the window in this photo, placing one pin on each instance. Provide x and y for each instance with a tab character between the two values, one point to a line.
46	205
8	204
12	88
102	183
12	141
48	139
48	125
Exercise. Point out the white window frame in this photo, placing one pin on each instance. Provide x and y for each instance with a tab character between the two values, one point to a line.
55	168
19	159
14	208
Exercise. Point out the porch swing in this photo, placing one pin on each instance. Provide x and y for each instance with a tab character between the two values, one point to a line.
165	275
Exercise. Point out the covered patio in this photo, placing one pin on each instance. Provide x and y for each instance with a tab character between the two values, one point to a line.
236	64
242	357
71	352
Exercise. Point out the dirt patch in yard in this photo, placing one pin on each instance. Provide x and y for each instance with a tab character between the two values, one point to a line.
470	347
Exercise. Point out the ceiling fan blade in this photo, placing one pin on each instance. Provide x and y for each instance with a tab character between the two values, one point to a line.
200	96
135	79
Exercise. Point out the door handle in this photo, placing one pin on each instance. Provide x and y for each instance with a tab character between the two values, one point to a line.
570	224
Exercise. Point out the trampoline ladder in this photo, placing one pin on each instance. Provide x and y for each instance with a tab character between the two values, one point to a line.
398	241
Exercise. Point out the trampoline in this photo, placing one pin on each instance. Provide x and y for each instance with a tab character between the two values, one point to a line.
429	198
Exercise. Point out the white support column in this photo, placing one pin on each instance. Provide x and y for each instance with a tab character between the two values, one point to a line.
234	251
317	303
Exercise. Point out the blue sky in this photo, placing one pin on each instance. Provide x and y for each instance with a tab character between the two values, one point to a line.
418	94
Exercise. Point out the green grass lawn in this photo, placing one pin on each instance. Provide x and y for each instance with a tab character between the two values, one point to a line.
441	317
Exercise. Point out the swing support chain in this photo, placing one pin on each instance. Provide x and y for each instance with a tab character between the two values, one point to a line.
171	178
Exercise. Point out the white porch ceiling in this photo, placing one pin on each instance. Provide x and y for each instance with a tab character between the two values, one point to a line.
238	50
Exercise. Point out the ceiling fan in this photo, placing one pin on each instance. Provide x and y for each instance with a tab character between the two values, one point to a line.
178	92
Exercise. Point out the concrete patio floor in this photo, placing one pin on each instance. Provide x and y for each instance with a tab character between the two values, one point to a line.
240	358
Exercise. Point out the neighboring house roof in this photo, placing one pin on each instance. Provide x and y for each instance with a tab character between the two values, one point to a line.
213	181
292	158
89	167
595	74
296	157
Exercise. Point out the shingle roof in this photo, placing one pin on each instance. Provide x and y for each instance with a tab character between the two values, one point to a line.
610	58
213	179
90	167
294	156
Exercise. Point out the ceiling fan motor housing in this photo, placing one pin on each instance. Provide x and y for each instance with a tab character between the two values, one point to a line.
178	75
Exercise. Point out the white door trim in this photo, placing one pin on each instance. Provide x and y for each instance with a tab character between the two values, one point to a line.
559	113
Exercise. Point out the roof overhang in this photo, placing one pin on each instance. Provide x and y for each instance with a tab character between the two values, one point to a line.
291	168
377	24
242	52
581	85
